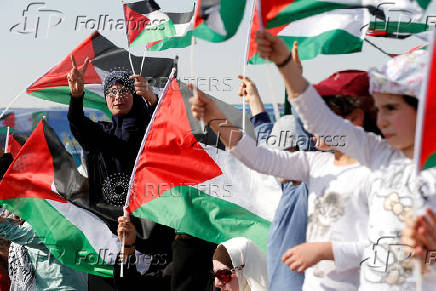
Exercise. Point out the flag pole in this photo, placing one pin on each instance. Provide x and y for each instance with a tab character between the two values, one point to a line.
132	177
11	103
143	59
7	141
244	66
418	143
128	45
269	68
195	89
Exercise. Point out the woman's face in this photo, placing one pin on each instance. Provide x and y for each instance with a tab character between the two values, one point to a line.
229	286
119	100
397	121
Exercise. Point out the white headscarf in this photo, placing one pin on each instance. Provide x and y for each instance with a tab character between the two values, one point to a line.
253	276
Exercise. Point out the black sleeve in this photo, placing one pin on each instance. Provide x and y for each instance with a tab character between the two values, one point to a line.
91	135
5	162
132	278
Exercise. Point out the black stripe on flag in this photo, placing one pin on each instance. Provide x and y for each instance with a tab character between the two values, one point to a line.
144	7
181	18
68	181
109	57
209	137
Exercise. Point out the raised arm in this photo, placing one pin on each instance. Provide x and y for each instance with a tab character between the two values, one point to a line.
318	119
91	135
292	166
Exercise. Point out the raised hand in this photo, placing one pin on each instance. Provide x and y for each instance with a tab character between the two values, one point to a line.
248	90
271	47
144	89
296	57
126	227
204	107
76	78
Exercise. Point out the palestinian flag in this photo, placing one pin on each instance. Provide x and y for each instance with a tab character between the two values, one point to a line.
183	25
281	12
146	23
211	20
36	186
185	179
425	150
218	20
105	57
334	32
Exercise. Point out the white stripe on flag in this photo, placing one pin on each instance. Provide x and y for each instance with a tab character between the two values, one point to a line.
350	20
258	193
93	228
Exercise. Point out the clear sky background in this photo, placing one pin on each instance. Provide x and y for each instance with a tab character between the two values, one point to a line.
24	57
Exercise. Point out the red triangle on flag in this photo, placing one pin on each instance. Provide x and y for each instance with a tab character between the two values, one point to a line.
31	174
57	76
136	23
256	27
171	155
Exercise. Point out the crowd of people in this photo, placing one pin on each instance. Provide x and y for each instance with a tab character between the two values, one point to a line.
354	215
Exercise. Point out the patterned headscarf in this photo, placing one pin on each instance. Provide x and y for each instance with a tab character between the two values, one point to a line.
403	75
119	77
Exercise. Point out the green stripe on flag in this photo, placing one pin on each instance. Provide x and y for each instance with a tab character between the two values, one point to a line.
155	33
204	32
326	43
430	162
399	27
423	3
192	211
300	9
65	241
173	42
62	95
4	130
231	13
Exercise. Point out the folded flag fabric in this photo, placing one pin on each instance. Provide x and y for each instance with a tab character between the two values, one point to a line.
210	20
339	31
426	121
183	26
185	179
105	57
281	12
146	22
36	187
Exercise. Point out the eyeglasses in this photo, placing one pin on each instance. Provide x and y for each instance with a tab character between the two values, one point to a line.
112	92
225	275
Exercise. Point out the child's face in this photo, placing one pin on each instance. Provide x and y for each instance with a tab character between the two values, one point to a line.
397	121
